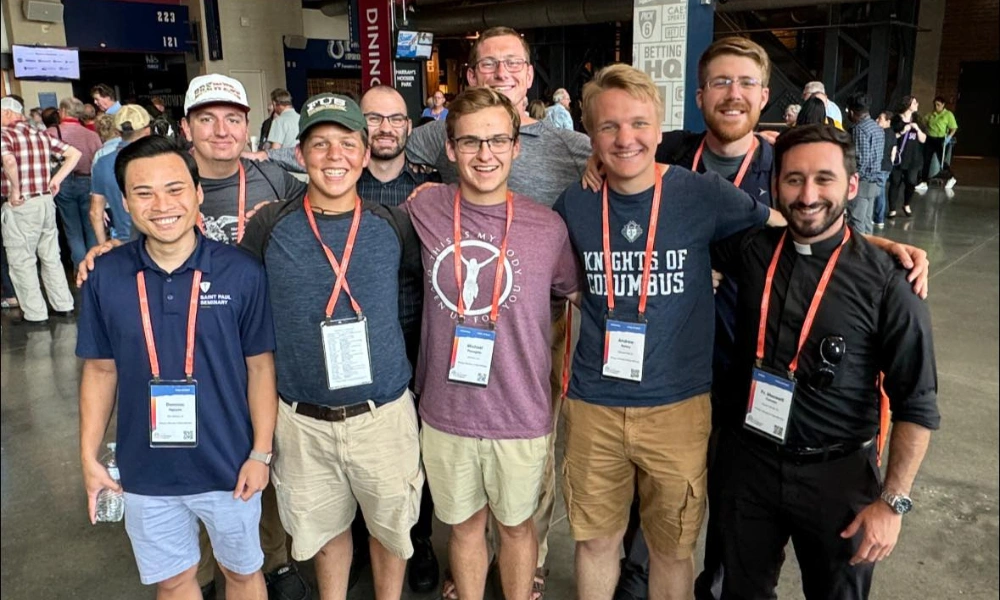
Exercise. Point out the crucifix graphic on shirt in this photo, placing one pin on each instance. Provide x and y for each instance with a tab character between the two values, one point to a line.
478	270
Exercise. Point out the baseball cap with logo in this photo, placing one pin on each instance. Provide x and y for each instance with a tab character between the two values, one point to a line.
11	104
332	108
215	89
131	117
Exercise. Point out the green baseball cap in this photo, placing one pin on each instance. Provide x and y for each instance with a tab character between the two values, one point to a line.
332	108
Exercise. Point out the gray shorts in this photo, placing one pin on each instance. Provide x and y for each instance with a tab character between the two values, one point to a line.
164	532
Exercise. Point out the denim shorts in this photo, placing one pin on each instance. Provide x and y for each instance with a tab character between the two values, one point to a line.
164	532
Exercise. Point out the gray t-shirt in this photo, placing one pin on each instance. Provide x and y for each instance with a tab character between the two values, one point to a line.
265	182
727	166
551	159
284	128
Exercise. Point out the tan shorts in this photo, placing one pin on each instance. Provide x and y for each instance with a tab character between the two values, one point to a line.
465	474
664	446
322	471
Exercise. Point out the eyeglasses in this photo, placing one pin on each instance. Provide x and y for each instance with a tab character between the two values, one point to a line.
470	144
489	65
723	83
831	351
375	119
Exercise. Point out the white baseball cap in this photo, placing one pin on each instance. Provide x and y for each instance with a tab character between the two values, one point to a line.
215	89
9	103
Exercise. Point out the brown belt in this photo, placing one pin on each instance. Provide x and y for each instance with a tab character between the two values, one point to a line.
330	413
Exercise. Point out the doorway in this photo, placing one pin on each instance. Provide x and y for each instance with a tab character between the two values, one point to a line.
978	109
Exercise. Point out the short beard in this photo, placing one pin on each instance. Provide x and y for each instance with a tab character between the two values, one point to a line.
382	154
834	213
727	134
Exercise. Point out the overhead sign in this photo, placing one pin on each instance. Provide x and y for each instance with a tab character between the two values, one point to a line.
660	50
375	17
126	26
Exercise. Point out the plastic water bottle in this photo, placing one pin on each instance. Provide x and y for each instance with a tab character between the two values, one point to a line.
111	504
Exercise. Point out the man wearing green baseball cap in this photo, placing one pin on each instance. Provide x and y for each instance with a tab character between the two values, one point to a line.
347	428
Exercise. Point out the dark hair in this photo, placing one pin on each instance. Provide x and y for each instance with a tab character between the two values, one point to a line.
940	99
859	102
897	124
281	96
103	90
812	134
905	103
888	114
813	113
50	116
150	147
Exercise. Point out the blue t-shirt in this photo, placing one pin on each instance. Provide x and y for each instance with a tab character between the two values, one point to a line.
102	181
301	281
234	322
695	210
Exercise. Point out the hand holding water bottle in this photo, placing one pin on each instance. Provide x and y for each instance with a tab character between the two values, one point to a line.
96	479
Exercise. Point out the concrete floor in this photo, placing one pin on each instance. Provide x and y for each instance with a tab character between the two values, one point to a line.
949	544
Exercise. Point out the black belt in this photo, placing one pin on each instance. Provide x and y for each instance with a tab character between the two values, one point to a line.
329	413
806	454
75	174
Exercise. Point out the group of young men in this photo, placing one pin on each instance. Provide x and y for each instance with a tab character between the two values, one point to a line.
675	395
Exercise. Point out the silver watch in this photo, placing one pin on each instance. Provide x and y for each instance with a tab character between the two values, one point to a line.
264	457
900	503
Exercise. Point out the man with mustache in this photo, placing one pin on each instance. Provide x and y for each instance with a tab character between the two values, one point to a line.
801	426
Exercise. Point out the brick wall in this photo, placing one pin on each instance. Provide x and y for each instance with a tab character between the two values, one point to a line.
971	32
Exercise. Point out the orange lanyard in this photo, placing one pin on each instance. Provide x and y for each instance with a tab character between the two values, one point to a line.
654	217
339	268
498	281
765	300
241	201
743	168
147	326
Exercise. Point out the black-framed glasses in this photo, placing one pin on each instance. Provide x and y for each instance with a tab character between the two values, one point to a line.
470	144
489	65
831	352
724	83
375	119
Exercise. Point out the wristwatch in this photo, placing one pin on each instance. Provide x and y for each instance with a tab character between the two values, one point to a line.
900	503
264	457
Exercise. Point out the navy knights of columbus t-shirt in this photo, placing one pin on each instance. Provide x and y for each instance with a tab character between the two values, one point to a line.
695	210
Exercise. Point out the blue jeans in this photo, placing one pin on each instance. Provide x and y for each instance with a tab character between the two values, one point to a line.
73	202
880	199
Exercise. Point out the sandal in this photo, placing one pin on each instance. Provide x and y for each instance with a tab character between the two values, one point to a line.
538	585
448	589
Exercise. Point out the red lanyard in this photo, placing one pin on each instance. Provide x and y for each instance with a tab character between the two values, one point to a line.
241	208
654	217
147	326
501	258
339	269
743	168
765	300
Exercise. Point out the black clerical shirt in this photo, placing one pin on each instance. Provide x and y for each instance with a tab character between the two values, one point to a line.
868	302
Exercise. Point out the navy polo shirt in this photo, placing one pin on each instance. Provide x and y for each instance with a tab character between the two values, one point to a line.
234	322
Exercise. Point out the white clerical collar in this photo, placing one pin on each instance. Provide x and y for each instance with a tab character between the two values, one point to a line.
804	249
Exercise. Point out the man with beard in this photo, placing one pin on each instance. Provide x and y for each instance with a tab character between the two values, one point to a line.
388	180
801	405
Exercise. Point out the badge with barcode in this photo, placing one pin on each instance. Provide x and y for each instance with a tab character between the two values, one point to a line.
770	405
624	350
173	414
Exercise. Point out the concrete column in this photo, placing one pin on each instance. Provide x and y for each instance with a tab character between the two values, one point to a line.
21	31
928	50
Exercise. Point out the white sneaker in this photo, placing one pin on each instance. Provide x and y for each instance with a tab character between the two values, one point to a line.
950	183
921	187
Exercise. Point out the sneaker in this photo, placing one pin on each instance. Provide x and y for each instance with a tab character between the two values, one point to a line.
908	210
879	225
422	570
285	583
950	183
922	186
892	214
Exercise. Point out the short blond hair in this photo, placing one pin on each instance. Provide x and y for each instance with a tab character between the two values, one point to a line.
475	99
735	46
623	77
105	126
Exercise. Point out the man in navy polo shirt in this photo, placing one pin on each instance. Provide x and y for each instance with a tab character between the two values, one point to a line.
174	319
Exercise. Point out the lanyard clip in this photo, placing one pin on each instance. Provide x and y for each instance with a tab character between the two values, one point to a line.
361	317
189	378
492	325
642	317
